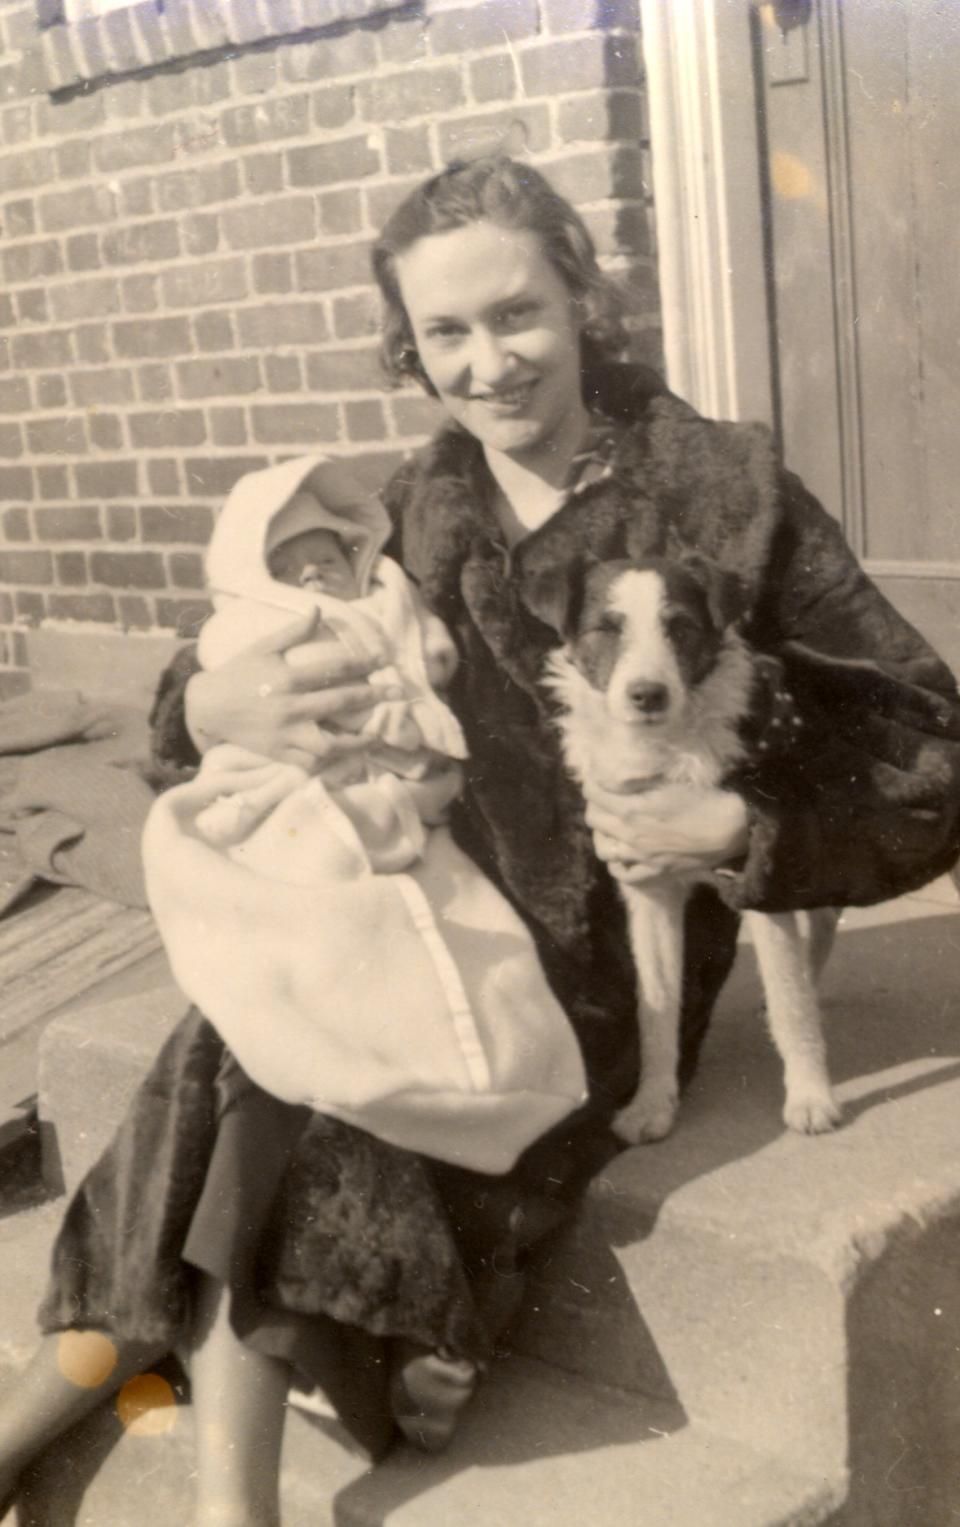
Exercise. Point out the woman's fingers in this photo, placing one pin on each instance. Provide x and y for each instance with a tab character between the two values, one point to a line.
305	737
298	631
325	705
322	665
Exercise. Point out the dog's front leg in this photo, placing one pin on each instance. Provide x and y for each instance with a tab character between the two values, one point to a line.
788	968
655	921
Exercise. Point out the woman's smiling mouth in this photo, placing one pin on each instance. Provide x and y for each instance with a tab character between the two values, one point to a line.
509	400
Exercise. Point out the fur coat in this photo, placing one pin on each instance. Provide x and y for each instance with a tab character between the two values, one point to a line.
865	806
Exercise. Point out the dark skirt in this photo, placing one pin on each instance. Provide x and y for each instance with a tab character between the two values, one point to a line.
332	1243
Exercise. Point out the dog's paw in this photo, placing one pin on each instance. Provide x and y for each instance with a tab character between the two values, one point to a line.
646	1119
812	1113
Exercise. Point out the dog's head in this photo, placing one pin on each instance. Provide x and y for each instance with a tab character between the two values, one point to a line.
646	634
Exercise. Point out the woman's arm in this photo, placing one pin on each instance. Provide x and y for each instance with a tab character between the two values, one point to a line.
261	701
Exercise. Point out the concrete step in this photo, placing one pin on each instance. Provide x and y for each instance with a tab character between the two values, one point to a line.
802	1294
540	1447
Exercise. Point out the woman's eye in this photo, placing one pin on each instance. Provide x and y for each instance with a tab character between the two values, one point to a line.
444	333
516	316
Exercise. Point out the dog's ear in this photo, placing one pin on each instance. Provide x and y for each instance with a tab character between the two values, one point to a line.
555	595
725	590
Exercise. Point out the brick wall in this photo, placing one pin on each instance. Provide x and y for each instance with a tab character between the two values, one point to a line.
185	266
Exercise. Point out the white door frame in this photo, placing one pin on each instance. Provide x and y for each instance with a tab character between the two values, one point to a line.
698	57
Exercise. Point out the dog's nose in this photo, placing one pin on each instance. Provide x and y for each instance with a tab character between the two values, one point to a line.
649	699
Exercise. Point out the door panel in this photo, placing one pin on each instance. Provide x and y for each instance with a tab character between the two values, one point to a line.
864	199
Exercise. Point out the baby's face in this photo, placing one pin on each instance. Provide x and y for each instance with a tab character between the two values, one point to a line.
315	560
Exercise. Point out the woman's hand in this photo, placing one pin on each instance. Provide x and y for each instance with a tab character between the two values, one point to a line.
667	828
278	708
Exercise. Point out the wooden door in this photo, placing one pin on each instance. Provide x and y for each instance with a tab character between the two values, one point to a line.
860	127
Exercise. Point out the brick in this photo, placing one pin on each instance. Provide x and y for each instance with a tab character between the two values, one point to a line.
16	125
214	331
228	426
133	612
282	323
32	305
186	570
105	431
176	522
163	476
83	252
579	64
78	114
284	117
31	607
291	220
136	198
333	107
282	373
402	39
139	294
26	567
25	169
219	378
11	441
209	23
279	423
16	482
408	150
154	144
204	283
52	482
15	395
19	220
605	115
583	15
16	525
154	336
6	608
154	383
611	172
121	522
141	241
351	52
51	391
183	190
71	568
85	299
338	265
365	420
201	233
272	273
185	616
42	350
106	479
340	212
323	164
79	207
414	93
483	26
618	230
415	415
165	429
263	174
7	312
216	475
350	370
383	200
255	73
488	132
78	523
92	346
101	386
74	159
99	607
357	316
29	262
57	437
128	569
197	87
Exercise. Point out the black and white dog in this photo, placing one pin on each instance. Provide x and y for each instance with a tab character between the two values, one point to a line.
653	683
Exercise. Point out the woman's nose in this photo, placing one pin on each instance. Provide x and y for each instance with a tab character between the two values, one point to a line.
490	360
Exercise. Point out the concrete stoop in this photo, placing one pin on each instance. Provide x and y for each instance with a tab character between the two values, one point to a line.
743	1326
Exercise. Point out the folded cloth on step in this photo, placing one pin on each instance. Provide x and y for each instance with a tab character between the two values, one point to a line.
412	1005
76	798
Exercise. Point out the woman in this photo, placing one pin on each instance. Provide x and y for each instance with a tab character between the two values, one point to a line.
495	305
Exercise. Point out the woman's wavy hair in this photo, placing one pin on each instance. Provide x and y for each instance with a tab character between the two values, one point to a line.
499	190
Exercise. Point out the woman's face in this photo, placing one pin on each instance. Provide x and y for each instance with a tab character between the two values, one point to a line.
497	334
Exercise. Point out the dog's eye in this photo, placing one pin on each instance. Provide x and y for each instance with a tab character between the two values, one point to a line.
681	625
608	625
